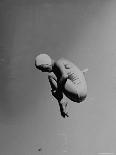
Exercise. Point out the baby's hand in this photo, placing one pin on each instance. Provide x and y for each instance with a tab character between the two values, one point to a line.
63	108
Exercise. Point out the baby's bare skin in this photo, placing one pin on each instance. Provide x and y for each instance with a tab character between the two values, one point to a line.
66	79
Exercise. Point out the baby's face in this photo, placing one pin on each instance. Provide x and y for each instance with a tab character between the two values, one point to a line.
45	68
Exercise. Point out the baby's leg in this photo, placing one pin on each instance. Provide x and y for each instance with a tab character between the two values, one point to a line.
53	81
62	102
76	93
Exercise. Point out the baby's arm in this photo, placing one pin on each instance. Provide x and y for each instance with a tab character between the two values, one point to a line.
63	108
64	76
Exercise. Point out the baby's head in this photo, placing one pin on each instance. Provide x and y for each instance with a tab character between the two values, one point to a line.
43	62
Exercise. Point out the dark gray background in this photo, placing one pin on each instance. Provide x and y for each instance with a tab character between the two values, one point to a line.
83	31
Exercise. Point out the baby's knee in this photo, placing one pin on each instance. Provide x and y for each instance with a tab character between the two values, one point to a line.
77	97
82	94
81	98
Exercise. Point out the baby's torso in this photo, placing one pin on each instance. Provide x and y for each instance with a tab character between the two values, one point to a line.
74	74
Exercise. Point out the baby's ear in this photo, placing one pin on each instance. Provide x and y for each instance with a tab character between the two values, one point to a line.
85	71
67	66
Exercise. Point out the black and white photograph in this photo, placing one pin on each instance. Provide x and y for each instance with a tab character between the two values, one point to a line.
57	77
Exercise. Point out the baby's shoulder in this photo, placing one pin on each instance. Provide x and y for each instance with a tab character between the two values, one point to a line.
65	61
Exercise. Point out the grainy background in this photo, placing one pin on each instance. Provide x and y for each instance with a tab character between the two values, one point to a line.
83	31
